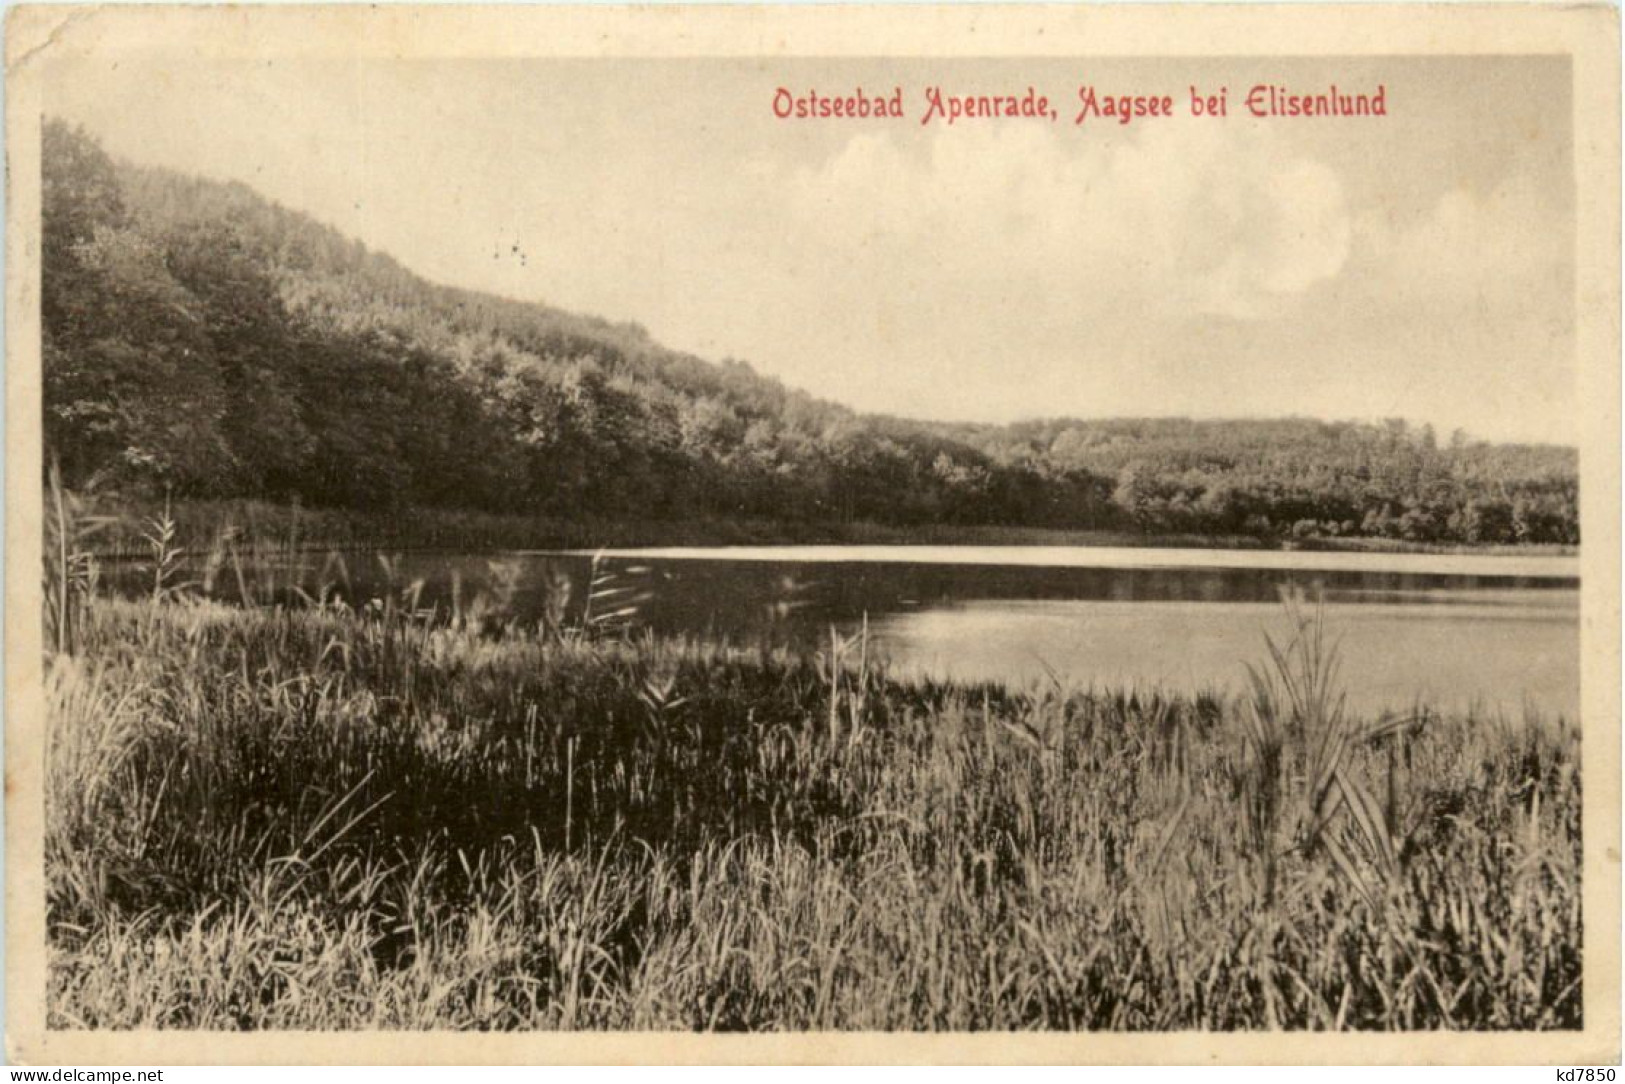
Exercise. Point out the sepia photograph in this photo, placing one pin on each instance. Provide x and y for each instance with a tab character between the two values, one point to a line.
700	522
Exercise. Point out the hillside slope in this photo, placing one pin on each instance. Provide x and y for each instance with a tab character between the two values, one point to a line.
202	340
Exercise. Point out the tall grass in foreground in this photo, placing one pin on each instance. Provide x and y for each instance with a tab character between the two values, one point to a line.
325	817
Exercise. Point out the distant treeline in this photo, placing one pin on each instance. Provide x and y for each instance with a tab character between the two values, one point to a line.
204	341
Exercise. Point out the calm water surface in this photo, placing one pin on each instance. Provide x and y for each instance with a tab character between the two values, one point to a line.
1499	633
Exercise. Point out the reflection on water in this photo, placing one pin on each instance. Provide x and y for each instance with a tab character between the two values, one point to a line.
1455	632
1393	655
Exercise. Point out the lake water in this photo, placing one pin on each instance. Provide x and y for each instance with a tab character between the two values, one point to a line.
1498	633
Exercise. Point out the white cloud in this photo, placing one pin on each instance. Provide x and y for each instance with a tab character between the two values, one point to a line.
1183	219
1501	247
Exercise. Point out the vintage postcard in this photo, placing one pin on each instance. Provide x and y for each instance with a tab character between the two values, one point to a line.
813	534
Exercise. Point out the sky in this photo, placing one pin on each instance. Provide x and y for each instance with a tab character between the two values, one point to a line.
1418	265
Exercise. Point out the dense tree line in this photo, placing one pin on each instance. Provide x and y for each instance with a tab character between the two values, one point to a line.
201	340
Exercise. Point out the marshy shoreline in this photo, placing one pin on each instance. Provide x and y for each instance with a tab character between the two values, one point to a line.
314	817
201	523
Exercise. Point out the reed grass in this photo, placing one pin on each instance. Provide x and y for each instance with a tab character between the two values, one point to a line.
299	814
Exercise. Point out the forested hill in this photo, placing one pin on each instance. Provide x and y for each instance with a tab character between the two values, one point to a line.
201	340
